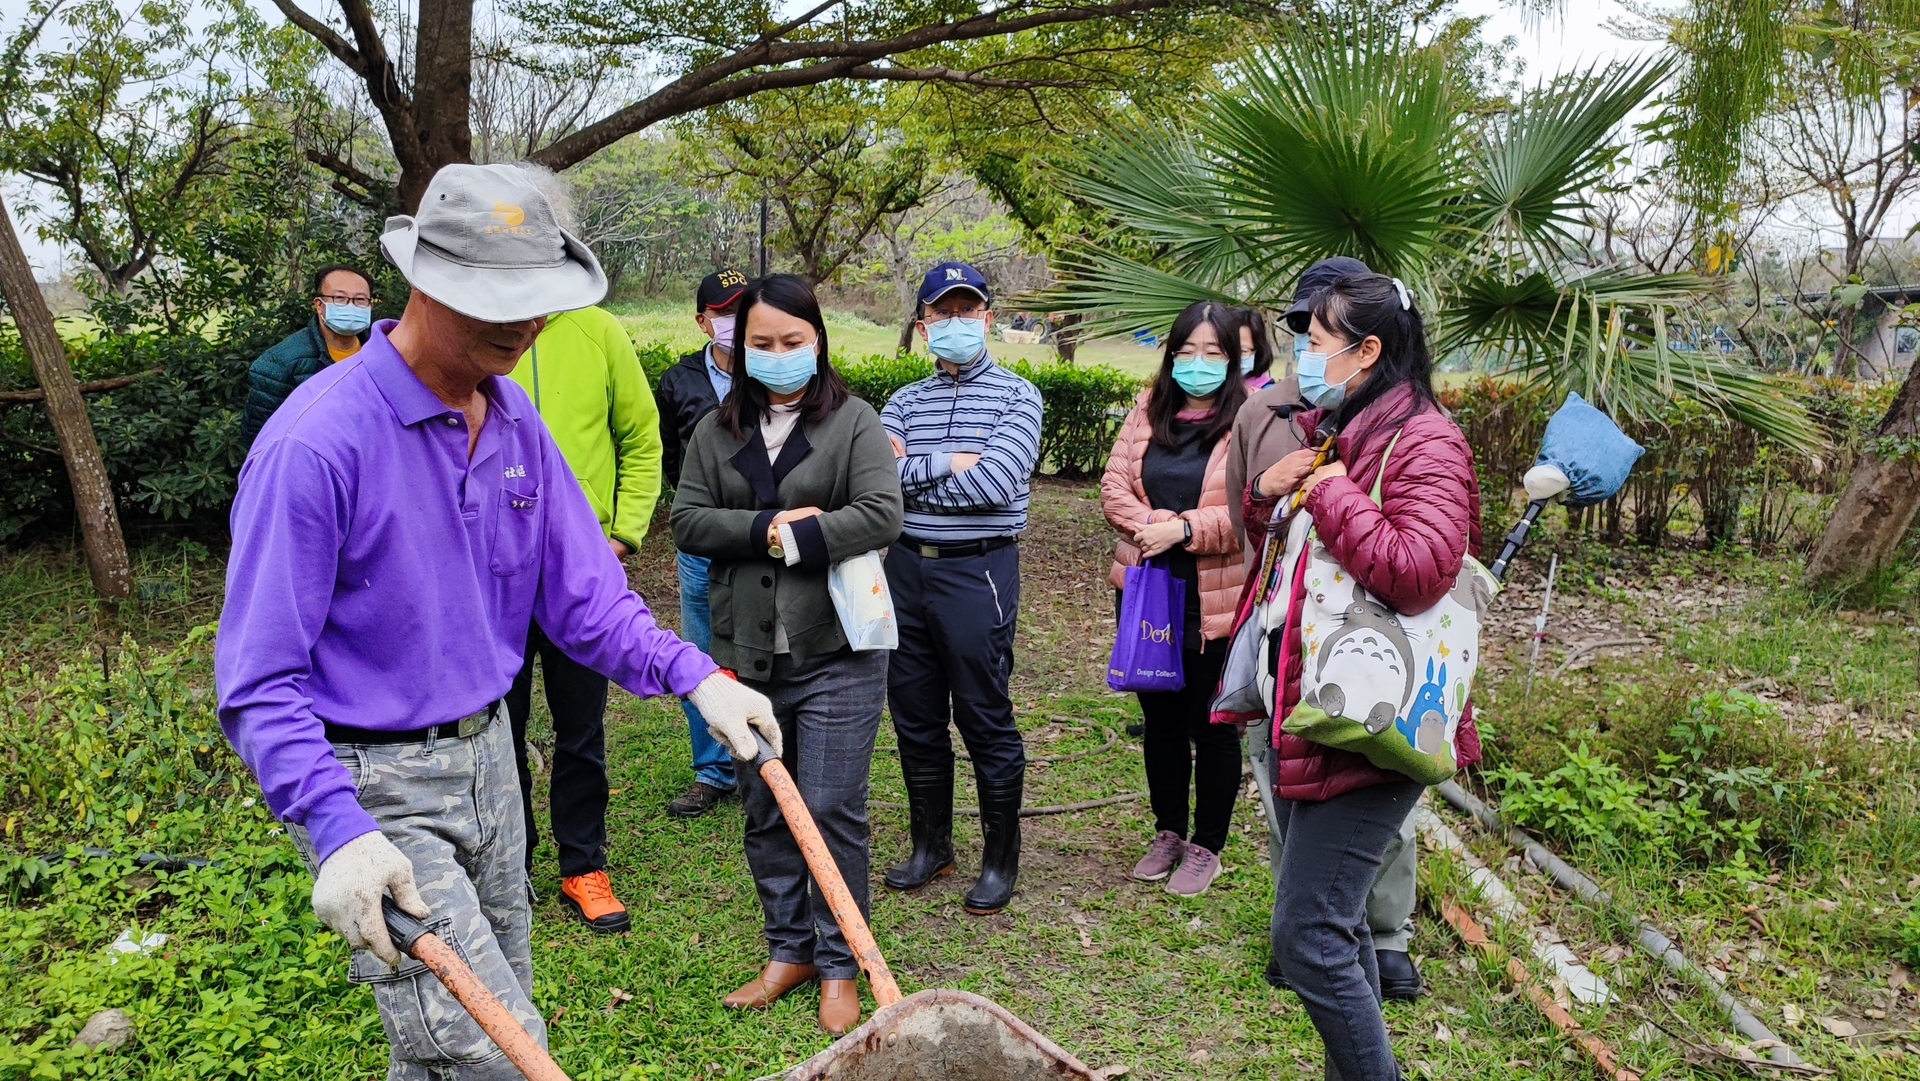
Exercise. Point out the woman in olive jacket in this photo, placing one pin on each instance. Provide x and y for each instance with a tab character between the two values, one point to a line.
790	475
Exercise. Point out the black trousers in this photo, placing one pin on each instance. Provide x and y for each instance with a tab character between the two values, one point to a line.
955	659
577	698
1181	745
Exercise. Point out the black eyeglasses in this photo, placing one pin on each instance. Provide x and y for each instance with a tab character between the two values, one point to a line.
342	298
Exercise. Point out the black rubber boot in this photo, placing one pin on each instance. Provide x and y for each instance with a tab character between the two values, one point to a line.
1000	862
930	818
1399	978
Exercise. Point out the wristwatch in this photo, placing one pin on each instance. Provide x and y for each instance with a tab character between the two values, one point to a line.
774	549
1188	524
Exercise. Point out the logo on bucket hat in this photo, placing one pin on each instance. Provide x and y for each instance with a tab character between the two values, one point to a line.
487	244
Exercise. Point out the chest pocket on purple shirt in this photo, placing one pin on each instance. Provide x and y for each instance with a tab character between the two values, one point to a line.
516	532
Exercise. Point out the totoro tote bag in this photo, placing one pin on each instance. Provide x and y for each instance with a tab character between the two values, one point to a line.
1388	686
1146	644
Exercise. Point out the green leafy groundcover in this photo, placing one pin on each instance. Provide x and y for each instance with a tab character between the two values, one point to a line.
132	760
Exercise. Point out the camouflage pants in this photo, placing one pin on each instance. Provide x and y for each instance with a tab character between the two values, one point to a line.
453	806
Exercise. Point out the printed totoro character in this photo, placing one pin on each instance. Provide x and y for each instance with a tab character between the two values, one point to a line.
1369	645
1472	592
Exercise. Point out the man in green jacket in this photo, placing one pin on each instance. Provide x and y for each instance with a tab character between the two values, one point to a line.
342	314
585	379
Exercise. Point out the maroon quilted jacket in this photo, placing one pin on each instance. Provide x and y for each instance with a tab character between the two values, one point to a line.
1406	551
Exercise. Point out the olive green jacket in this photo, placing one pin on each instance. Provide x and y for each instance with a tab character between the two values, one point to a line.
729	494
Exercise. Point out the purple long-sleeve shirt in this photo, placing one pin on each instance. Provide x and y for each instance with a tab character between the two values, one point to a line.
382	579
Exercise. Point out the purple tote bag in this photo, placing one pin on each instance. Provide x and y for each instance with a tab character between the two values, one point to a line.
1146	647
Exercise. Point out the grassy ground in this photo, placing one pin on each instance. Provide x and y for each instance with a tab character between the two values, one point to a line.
1120	973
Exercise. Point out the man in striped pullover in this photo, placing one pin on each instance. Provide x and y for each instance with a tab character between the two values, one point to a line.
967	438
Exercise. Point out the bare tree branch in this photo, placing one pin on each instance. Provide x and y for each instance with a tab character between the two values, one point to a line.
724	81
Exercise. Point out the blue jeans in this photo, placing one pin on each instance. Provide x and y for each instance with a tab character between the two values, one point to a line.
712	765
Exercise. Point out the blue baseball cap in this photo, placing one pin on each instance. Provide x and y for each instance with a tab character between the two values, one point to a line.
947	277
1318	277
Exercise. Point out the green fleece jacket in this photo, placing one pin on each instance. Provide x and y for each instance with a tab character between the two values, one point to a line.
585	379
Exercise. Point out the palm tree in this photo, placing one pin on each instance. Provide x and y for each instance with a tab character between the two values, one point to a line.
1351	139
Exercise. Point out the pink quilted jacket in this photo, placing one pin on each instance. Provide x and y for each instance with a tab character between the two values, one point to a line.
1216	544
1406	551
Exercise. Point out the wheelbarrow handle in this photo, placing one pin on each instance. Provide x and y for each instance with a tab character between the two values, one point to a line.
826	873
416	940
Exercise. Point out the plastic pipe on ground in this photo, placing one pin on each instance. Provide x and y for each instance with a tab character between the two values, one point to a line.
1583	983
1651	940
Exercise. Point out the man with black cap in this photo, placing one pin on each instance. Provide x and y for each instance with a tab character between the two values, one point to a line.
967	438
1263	435
688	391
400	522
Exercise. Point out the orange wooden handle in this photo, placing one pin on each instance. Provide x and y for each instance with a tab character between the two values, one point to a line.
486	1008
827	874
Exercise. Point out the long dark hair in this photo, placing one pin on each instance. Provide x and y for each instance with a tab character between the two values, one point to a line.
1262	341
1360	305
746	404
1166	398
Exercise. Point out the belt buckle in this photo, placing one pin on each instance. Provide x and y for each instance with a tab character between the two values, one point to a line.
476	724
928	551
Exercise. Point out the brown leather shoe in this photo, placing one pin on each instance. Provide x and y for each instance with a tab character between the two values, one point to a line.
839	1005
766	989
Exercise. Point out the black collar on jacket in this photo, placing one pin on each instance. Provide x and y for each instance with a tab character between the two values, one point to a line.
765	478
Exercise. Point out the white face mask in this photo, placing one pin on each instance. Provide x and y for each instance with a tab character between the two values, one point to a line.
723	330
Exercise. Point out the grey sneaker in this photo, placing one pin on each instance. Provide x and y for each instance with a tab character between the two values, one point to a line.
1160	858
1198	869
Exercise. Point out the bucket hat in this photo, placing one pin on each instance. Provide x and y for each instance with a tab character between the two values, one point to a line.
487	244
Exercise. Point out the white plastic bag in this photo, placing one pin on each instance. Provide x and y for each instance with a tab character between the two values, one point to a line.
858	586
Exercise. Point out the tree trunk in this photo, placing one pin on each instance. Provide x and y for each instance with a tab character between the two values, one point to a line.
906	334
442	96
92	492
1065	341
1877	507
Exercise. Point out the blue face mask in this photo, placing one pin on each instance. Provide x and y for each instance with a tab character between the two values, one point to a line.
782	373
347	318
957	340
1313	380
1301	343
1199	376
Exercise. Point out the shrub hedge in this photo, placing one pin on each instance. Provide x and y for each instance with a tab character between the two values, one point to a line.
172	448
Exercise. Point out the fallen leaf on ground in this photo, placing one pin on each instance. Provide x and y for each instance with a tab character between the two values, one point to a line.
1899	978
1200	1057
615	997
1792	1015
1876	1015
1837	1027
1442	1033
1112	1072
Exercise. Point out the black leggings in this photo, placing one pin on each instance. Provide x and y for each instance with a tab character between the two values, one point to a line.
1182	745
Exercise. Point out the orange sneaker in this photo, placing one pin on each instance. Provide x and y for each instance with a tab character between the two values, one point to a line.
591	897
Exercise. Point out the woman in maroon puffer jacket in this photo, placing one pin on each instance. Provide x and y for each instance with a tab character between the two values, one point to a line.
1369	372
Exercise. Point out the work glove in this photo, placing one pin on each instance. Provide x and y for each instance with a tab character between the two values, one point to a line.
347	892
734	712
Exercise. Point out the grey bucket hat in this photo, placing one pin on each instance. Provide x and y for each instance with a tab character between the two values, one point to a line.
486	243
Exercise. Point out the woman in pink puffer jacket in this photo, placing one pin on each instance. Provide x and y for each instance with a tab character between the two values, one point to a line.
1368	371
1165	491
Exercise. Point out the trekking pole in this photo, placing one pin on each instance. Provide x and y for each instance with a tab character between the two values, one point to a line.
826	873
415	940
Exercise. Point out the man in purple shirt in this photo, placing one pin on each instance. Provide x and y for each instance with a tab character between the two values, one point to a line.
399	524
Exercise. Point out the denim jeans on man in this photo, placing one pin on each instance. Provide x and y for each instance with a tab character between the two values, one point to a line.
712	765
577	804
829	712
452	807
1334	851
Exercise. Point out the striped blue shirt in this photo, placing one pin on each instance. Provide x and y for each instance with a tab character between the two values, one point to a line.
986	410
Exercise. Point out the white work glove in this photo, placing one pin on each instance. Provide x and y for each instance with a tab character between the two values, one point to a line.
347	892
734	712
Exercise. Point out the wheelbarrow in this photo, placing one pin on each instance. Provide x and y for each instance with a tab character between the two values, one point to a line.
945	1034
